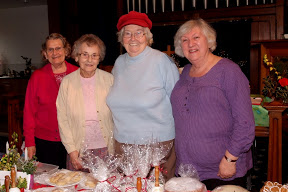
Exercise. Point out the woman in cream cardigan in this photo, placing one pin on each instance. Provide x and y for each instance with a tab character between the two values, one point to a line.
83	116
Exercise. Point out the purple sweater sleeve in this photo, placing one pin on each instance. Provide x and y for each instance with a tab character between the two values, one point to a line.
237	91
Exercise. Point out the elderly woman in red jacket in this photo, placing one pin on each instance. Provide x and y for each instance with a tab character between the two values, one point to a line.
40	116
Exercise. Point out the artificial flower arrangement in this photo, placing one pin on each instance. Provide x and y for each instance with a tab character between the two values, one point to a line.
276	83
11	159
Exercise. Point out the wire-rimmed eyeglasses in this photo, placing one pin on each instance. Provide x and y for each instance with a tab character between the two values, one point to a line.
137	35
56	49
86	56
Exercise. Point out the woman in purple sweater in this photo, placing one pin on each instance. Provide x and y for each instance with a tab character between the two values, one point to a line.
212	110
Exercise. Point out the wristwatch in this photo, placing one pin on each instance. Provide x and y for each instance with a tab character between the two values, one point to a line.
229	160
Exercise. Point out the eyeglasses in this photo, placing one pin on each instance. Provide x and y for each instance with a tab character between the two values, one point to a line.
137	35
56	49
86	56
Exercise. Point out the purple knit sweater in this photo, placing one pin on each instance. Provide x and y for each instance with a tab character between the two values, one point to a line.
213	113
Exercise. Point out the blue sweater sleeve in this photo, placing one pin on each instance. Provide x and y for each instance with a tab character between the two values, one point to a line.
169	73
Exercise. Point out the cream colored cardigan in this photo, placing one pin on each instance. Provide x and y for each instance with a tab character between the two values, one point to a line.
71	113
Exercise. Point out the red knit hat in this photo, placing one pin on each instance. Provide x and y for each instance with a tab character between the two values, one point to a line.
135	18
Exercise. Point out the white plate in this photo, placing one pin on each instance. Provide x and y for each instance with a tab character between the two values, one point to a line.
47	180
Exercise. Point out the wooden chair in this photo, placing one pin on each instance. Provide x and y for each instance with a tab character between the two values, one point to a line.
15	121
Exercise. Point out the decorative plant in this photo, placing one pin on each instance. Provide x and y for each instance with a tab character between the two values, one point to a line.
28	61
28	65
10	159
28	166
276	83
13	158
22	183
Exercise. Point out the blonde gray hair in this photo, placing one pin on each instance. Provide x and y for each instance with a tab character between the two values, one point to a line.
147	32
55	36
207	30
90	40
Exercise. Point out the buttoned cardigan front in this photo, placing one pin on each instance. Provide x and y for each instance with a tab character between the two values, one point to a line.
71	113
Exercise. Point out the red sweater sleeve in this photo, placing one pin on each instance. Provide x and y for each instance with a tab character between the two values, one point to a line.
30	111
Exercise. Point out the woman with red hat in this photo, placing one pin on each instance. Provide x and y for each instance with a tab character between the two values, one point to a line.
140	96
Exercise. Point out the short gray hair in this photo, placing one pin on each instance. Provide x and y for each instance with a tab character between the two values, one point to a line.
207	30
90	40
148	34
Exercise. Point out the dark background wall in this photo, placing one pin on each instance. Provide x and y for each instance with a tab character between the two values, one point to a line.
73	18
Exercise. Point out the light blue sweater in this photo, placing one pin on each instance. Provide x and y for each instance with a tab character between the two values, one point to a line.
140	97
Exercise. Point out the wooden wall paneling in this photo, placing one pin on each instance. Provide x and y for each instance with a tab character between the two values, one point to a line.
260	29
255	30
280	12
273	23
11	88
263	28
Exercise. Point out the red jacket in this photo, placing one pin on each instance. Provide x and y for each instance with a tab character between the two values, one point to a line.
40	114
